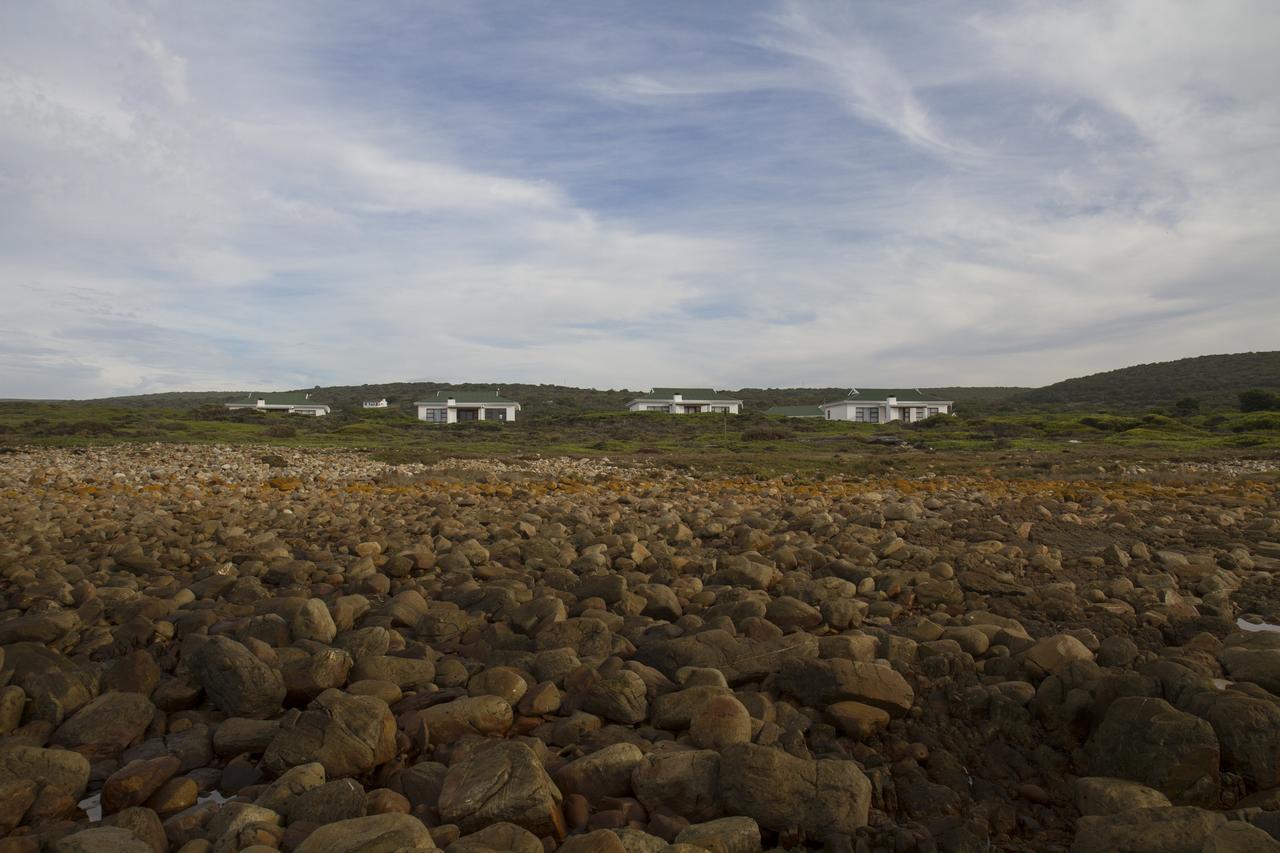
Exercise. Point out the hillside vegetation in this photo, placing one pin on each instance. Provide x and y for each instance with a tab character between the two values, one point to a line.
1215	381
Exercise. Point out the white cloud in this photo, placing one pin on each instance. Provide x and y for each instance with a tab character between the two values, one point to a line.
812	196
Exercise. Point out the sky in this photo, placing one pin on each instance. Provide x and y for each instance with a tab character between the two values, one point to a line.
613	194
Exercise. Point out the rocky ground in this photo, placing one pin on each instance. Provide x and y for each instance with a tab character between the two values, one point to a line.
254	649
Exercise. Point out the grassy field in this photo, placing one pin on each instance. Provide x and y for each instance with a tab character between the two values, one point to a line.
750	443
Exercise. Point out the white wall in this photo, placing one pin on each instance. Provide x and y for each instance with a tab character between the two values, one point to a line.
845	411
679	408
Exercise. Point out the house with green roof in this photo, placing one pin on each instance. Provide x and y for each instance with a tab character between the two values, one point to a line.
796	411
451	407
686	401
879	405
293	402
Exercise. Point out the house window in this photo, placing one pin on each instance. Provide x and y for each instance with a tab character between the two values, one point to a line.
724	409
873	416
468	415
693	410
435	416
860	415
495	414
828	414
657	408
933	410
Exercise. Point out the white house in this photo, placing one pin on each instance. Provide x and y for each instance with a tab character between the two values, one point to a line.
376	404
878	405
293	402
451	407
685	401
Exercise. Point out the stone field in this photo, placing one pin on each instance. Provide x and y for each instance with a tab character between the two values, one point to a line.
255	649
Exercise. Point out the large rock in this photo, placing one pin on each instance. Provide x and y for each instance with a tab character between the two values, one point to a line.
236	682
823	797
107	725
827	681
1051	654
469	715
1103	795
1147	740
59	769
102	839
348	735
726	835
382	833
619	697
684	781
604	773
502	782
1177	829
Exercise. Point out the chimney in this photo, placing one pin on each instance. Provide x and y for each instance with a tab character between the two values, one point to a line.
677	397
891	400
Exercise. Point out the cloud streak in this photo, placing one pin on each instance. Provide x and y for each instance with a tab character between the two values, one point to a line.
815	194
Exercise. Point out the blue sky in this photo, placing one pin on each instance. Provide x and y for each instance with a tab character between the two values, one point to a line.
625	194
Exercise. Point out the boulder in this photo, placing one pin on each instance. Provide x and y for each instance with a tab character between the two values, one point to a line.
821	797
726	835
502	782
682	781
348	735
821	682
107	725
236	681
1147	740
383	833
604	773
1176	829
1103	795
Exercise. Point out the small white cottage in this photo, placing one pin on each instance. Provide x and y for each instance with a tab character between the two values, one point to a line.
878	405
685	401
451	407
376	404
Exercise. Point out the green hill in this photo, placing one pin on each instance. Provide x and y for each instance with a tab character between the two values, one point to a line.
1214	380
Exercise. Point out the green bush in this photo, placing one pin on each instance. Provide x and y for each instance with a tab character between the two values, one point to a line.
1257	400
1256	422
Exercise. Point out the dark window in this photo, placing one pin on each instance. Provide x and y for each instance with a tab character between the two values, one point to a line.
495	414
873	415
657	408
692	410
468	415
724	409
435	416
932	411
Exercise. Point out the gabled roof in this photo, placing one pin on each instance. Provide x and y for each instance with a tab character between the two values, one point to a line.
873	395
796	411
688	394
278	398
440	398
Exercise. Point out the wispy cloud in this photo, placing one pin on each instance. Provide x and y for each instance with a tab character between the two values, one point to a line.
821	194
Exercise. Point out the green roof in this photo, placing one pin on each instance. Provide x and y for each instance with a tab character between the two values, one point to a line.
278	398
442	397
796	411
914	395
686	394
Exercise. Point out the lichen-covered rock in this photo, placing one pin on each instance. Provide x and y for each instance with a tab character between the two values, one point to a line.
347	735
